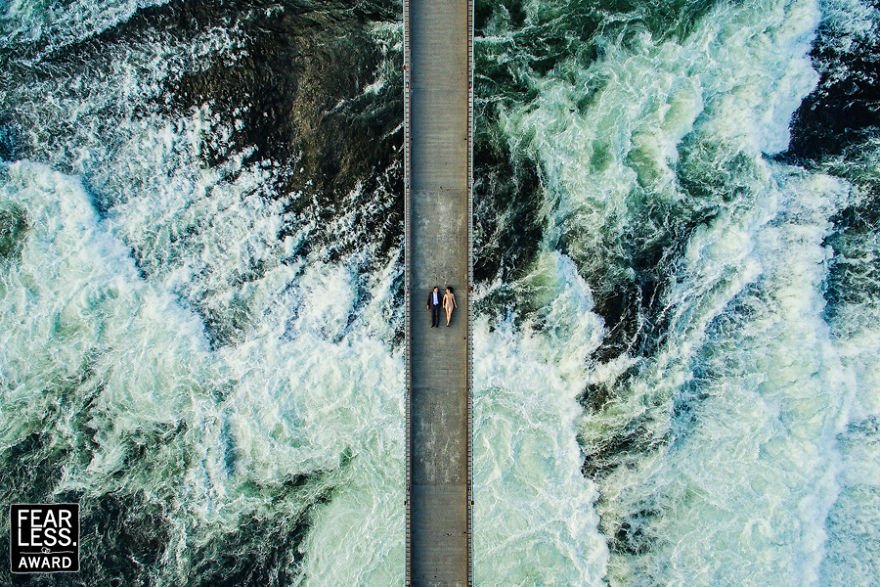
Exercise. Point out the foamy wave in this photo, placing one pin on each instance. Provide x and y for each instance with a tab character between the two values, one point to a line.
534	511
294	407
57	24
722	442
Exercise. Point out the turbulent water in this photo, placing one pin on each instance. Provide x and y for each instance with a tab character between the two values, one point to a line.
200	257
680	299
678	309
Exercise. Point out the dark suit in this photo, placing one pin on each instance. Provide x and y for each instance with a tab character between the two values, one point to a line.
435	308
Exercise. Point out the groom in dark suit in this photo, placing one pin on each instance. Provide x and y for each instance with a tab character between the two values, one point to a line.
435	299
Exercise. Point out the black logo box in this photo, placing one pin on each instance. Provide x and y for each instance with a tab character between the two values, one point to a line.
44	538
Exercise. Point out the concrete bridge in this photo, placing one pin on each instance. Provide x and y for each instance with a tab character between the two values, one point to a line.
438	120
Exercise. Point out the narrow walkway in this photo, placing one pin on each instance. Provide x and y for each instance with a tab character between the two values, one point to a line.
438	120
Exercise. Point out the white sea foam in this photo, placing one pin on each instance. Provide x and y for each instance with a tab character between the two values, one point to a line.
738	78
62	23
741	476
293	398
120	280
534	516
742	492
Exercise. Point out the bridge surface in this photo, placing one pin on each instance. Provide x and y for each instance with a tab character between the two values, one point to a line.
438	121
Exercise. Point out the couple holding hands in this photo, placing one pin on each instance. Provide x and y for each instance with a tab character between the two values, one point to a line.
446	301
